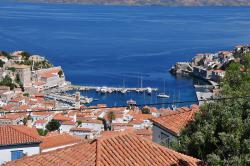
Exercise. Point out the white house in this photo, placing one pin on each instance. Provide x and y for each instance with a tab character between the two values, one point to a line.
84	132
66	126
4	59
18	141
51	77
11	119
41	116
41	124
93	124
167	128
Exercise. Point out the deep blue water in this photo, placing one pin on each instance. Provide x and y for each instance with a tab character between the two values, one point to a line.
104	45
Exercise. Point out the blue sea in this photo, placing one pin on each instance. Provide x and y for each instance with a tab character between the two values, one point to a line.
109	45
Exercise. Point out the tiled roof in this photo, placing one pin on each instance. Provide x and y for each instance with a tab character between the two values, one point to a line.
176	121
81	129
9	107
58	140
60	117
13	135
11	116
41	113
113	150
40	121
95	121
50	73
68	123
23	107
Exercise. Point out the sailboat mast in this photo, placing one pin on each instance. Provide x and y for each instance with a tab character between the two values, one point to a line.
141	82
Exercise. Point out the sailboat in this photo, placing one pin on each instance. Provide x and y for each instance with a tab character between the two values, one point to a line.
163	95
124	90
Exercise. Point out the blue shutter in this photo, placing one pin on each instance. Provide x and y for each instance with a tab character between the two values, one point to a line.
17	154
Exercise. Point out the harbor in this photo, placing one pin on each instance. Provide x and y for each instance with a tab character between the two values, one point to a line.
104	89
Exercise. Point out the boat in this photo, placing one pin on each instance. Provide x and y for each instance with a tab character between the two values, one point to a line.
98	89
124	91
104	89
149	90
109	90
163	95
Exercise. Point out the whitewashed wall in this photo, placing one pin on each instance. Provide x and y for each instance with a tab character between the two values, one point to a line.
5	152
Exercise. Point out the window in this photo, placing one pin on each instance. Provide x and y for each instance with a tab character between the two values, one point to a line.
165	139
17	154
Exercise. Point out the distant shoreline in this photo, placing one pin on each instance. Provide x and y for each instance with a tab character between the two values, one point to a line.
138	3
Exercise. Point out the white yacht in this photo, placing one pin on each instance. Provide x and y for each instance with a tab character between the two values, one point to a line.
163	95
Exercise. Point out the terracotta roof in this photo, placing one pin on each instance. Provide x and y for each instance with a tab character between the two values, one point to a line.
60	117
11	116
40	121
17	99
146	133
96	121
23	107
81	129
113	150
15	134
68	123
176	121
58	140
41	113
166	111
50	73
9	107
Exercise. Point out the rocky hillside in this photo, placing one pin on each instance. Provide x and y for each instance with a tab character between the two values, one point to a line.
156	2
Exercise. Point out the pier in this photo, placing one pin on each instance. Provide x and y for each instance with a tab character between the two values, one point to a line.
68	98
105	89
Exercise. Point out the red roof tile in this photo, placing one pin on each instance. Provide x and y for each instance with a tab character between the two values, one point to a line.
81	129
112	150
11	116
12	135
59	140
176	121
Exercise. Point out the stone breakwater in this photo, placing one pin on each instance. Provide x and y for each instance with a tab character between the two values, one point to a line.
182	68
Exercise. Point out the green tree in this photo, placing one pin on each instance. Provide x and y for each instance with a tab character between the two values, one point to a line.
17	79
6	54
79	123
220	133
60	73
25	55
145	110
42	132
111	116
26	94
53	125
1	63
7	81
11	69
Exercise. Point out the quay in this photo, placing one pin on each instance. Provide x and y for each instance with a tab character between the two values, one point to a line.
68	98
203	92
105	89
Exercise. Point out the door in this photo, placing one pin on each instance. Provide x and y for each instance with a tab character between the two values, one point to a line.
17	154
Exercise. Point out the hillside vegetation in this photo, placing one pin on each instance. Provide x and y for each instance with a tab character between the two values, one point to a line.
220	133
